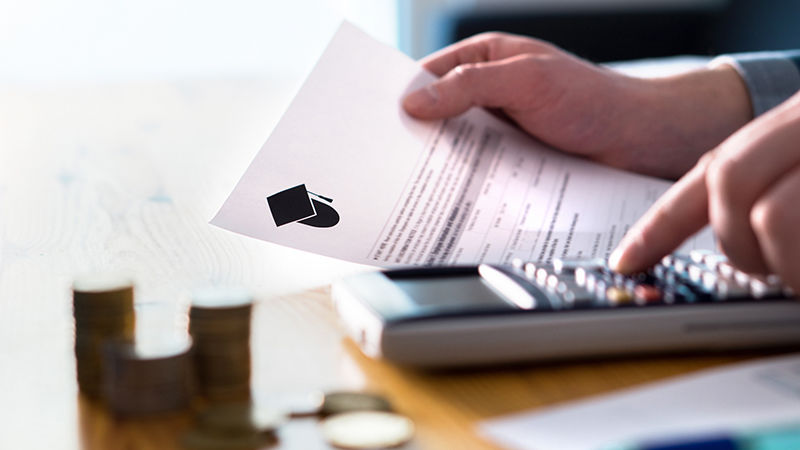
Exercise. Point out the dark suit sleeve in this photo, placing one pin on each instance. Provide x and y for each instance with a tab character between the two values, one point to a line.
771	77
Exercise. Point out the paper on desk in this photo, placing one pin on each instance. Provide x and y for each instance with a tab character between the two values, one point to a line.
346	173
744	396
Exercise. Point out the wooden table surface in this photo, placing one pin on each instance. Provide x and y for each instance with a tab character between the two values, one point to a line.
125	178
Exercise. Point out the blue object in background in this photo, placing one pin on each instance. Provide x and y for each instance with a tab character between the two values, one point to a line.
773	438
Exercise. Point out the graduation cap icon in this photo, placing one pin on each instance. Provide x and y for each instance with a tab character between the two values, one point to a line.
298	204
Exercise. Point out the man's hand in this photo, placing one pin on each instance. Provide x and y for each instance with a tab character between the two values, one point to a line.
748	188
655	126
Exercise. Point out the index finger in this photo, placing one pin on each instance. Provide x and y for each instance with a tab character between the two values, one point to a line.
676	215
483	47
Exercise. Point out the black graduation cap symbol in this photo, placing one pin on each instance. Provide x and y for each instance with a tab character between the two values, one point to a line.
296	205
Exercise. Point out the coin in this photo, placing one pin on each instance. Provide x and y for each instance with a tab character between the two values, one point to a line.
219	322
200	439
221	297
239	418
139	381
348	401
103	311
367	429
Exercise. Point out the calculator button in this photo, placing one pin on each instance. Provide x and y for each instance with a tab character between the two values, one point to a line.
709	280
552	282
517	263
741	277
713	261
728	289
695	273
600	288
670	278
568	266
659	271
591	281
565	266
702	294
680	264
699	256
587	277
530	270
619	279
646	294
643	277
572	294
541	276
766	287
580	276
578	298
618	296
679	293
726	269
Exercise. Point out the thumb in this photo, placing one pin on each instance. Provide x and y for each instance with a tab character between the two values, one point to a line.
492	84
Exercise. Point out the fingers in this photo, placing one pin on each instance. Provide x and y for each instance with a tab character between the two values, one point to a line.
678	214
472	50
745	189
496	84
476	71
730	202
483	47
776	221
749	164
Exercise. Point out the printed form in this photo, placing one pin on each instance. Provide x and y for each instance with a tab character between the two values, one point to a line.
346	173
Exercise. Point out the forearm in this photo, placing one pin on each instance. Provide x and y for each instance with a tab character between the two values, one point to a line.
684	116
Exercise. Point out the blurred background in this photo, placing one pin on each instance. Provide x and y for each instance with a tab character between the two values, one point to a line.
609	30
107	105
157	39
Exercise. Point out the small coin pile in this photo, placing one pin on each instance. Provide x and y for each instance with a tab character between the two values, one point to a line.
234	426
219	323
138	378
150	379
103	309
339	402
367	429
349	419
359	420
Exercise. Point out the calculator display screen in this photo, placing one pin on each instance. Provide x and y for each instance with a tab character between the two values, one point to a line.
453	294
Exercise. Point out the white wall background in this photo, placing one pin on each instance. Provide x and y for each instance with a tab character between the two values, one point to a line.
117	40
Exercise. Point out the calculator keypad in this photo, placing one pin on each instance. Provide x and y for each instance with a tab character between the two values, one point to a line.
699	277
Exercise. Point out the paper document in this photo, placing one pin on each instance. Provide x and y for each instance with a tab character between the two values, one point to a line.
740	397
348	174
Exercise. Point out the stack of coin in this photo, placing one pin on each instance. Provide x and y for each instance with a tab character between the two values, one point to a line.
219	322
360	420
103	309
367	430
338	402
234	426
142	380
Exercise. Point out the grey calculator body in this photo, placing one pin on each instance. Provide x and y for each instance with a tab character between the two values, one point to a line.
478	315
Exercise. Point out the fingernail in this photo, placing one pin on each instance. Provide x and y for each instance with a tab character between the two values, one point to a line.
613	260
421	99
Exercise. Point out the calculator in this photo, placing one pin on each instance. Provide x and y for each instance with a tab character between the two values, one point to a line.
568	308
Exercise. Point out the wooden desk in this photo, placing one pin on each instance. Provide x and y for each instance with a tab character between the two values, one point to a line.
125	178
